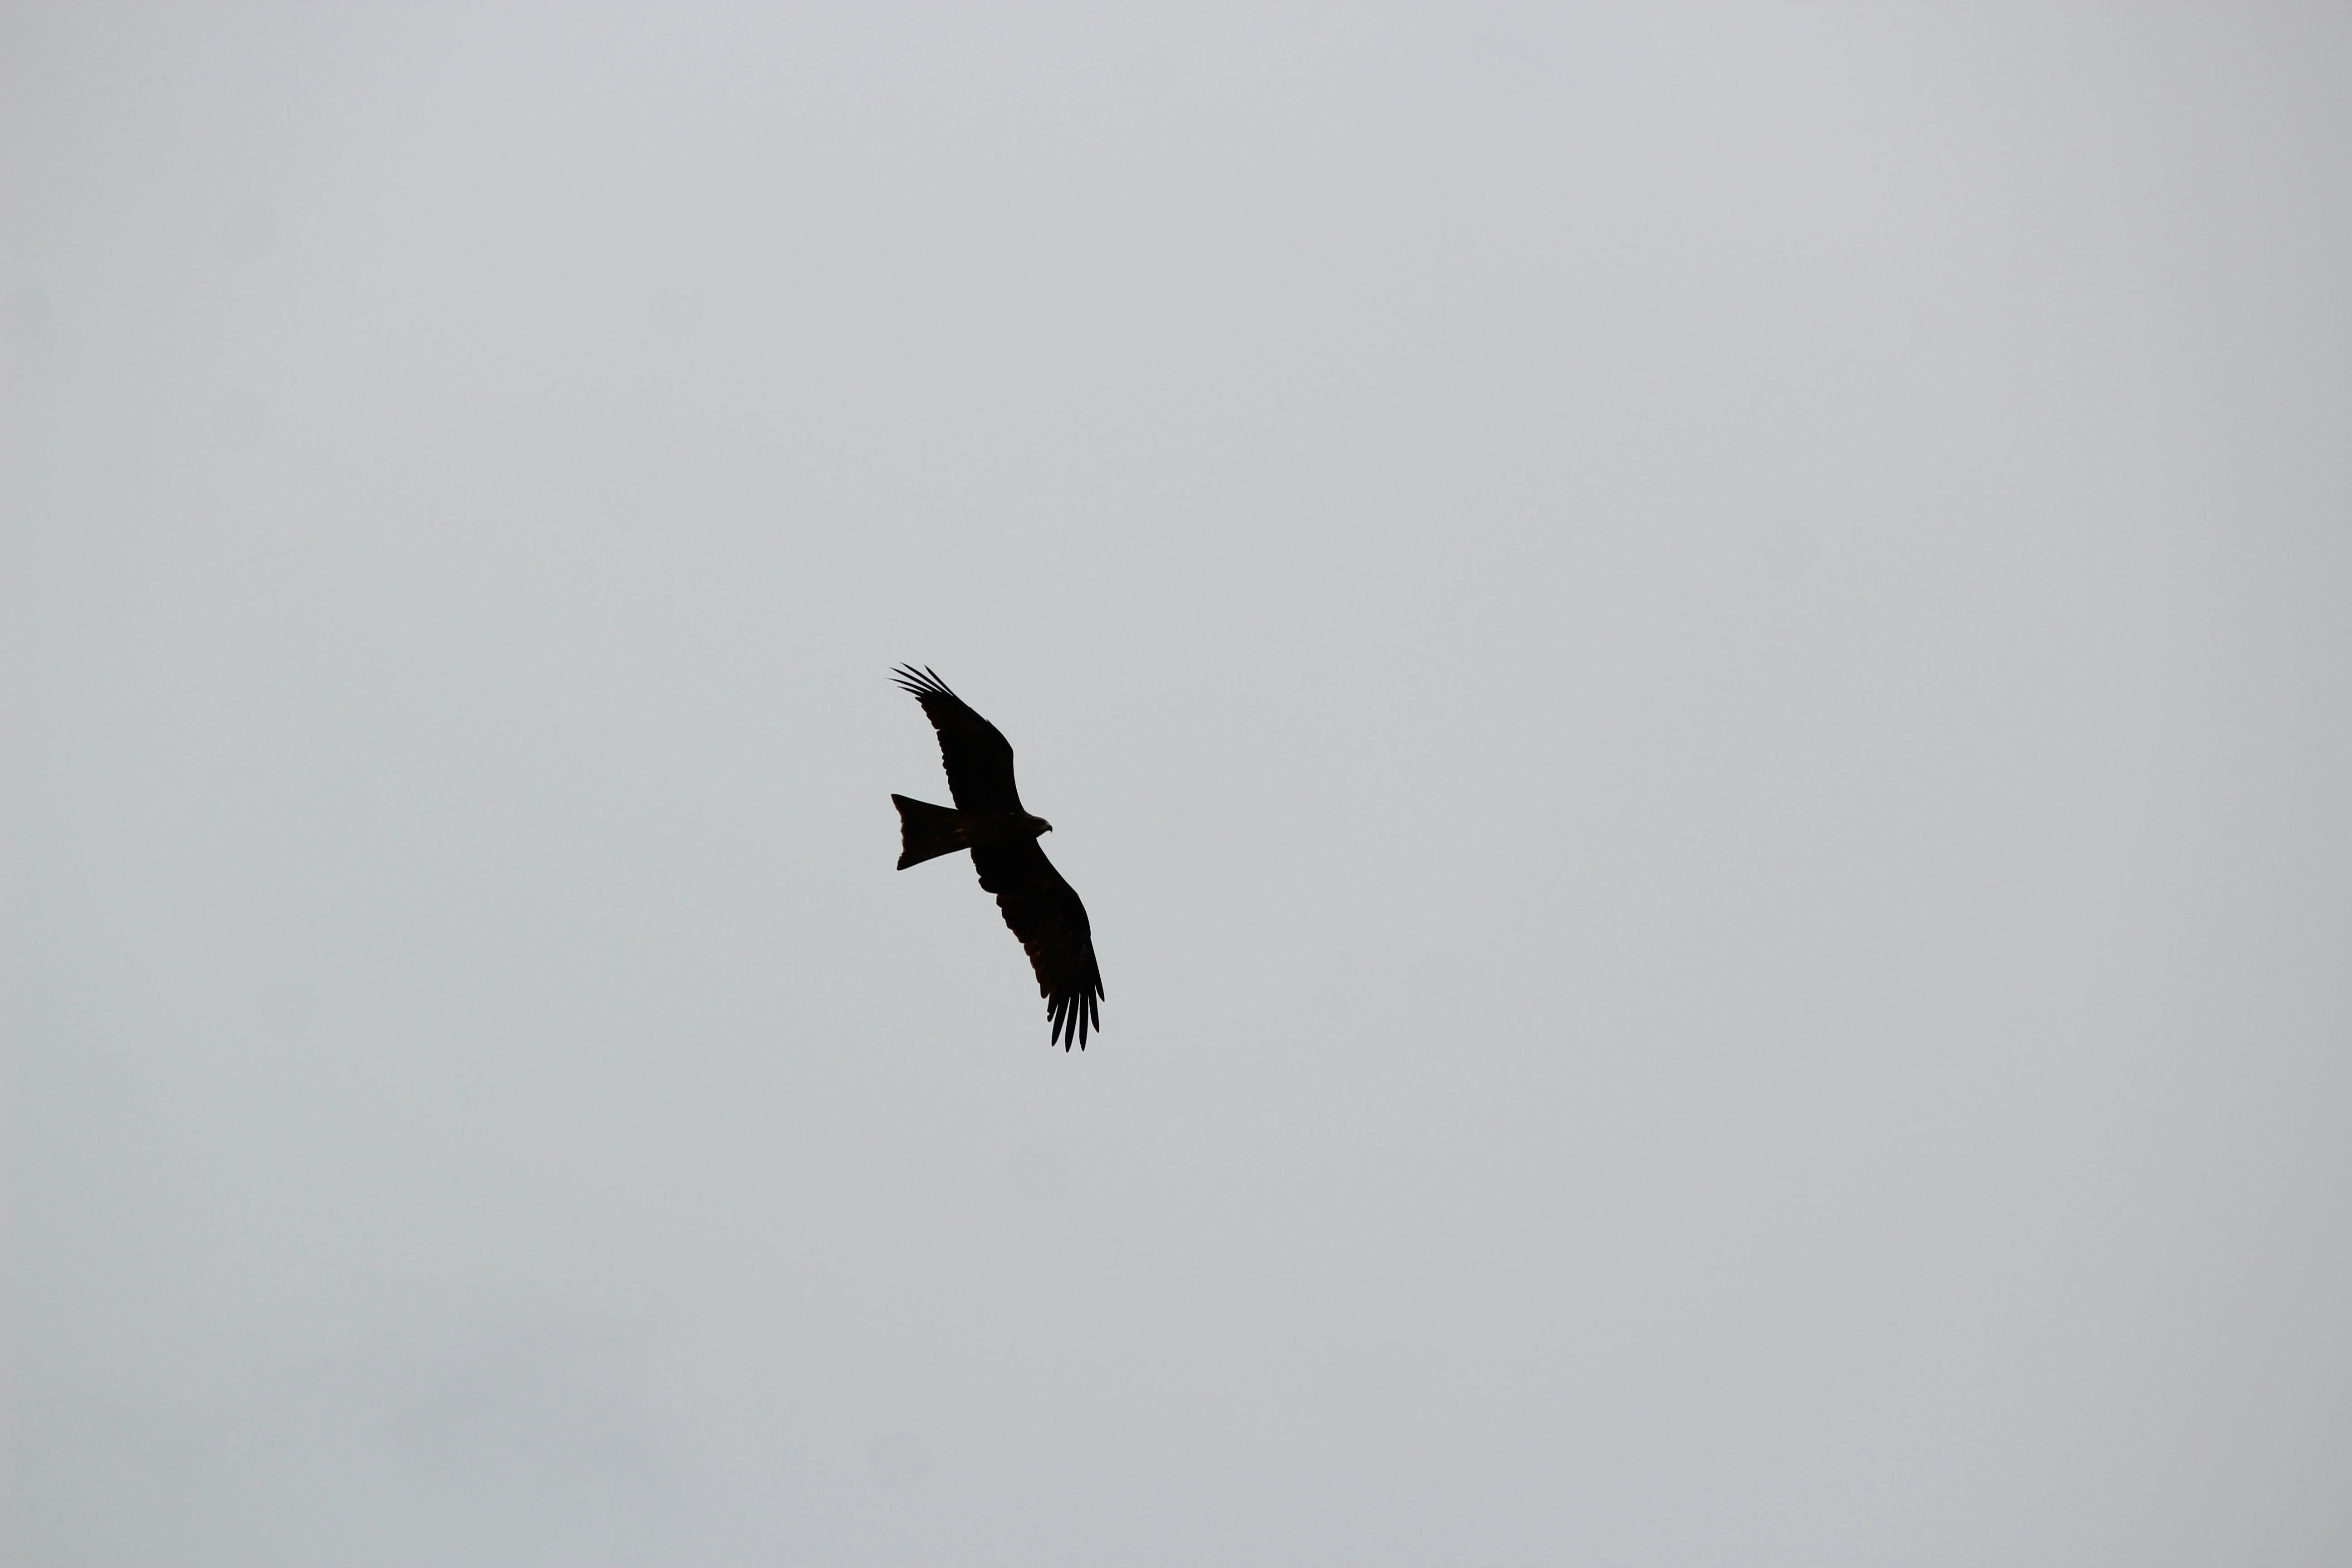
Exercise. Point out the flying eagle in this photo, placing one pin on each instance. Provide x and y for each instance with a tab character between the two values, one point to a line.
1042	908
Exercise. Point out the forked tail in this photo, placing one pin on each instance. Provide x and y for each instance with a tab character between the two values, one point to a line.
926	830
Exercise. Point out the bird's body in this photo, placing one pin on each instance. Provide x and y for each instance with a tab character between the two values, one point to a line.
988	819
929	830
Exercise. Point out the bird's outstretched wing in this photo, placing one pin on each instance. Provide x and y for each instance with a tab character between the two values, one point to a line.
978	757
1044	913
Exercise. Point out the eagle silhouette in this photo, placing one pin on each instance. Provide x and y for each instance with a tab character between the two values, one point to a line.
1043	910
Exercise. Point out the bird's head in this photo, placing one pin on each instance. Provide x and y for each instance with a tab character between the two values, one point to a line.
1039	826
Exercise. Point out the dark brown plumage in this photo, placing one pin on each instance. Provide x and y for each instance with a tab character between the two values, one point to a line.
988	820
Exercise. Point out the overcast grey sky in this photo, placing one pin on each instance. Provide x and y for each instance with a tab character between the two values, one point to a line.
1694	662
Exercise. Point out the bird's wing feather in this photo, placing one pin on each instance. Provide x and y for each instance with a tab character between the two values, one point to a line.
978	757
1044	913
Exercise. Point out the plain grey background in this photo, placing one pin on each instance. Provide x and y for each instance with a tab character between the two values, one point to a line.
1693	661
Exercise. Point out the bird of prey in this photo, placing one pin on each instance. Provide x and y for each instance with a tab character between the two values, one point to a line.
988	820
